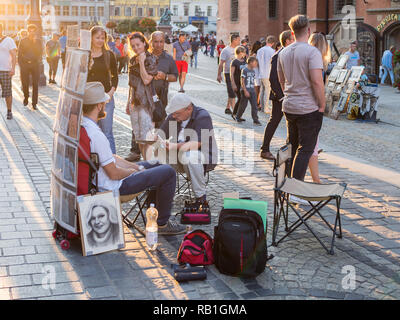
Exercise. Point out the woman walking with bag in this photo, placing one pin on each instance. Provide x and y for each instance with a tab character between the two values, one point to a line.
103	68
142	97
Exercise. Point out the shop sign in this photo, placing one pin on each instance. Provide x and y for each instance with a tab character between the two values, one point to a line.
389	18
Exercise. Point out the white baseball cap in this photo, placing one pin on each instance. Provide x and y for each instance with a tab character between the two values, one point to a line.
179	101
94	93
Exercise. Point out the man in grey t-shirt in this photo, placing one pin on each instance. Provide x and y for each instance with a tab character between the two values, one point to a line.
226	57
300	69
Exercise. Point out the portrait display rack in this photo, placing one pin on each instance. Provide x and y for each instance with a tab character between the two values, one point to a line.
66	130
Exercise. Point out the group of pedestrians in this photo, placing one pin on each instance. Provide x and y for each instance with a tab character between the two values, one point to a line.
284	78
151	69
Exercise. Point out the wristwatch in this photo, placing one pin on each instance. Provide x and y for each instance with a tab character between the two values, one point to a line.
166	77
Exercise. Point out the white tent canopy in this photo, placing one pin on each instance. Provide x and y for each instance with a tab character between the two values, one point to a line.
175	28
190	28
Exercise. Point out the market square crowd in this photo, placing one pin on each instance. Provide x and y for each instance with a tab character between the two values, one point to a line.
284	77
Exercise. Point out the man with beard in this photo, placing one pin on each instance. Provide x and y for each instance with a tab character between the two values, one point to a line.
115	173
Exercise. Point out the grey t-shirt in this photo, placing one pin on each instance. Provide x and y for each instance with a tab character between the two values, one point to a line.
295	62
227	54
180	49
248	78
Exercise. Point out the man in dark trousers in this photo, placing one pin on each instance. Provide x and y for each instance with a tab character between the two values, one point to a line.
276	95
30	51
167	72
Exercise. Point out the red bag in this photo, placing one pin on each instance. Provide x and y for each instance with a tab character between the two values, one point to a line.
196	249
87	165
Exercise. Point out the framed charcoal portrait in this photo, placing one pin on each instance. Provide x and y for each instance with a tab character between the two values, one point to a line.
356	73
70	161
58	152
55	199
76	69
68	218
74	118
101	223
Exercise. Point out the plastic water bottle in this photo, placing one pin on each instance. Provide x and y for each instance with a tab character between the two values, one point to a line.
151	228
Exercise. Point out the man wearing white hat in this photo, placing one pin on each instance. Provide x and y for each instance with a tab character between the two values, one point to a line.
194	148
115	173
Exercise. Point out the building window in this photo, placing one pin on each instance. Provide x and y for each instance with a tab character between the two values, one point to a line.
140	12
100	11
209	11
117	11
75	11
234	10
20	9
185	9
91	11
339	4
303	7
84	11
175	9
11	26
57	10
11	9
2	9
128	11
272	9
161	11
151	12
65	11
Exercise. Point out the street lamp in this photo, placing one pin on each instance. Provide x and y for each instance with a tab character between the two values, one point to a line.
34	18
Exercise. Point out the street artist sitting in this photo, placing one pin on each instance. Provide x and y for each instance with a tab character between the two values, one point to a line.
117	173
193	148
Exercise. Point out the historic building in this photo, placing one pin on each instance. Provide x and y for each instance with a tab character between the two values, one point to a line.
200	13
13	15
128	9
374	24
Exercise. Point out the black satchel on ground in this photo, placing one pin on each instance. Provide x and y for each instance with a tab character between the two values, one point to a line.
240	247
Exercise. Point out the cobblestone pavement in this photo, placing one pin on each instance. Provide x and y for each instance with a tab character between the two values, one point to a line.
301	269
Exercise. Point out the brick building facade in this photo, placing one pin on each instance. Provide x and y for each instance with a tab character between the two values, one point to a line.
375	24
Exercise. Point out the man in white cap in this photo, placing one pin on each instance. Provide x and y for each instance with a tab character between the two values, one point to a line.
115	173
193	141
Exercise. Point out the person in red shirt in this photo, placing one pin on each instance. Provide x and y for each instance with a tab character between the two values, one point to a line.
220	46
121	59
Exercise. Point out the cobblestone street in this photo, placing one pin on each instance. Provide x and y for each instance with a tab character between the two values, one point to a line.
366	156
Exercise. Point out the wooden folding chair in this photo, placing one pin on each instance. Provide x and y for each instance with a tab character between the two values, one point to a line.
317	196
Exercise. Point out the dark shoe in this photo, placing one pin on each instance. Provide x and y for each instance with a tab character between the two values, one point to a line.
50	81
233	116
34	106
267	155
25	102
228	111
54	82
240	120
182	91
133	157
257	123
9	115
171	228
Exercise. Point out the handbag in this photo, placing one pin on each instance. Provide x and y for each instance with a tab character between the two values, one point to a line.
187	54
159	113
196	249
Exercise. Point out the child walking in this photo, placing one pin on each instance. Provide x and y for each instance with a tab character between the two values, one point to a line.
248	91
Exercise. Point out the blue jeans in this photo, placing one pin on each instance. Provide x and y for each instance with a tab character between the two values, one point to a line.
387	71
212	51
162	177
106	124
194	57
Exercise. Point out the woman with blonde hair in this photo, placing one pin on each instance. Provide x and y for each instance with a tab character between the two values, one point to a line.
103	68
142	96
319	41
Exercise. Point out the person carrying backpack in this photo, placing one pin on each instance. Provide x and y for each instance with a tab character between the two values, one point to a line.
103	68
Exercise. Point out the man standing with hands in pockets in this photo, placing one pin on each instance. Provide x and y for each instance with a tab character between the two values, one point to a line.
300	68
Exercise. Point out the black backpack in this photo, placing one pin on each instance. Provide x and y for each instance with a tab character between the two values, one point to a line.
240	247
